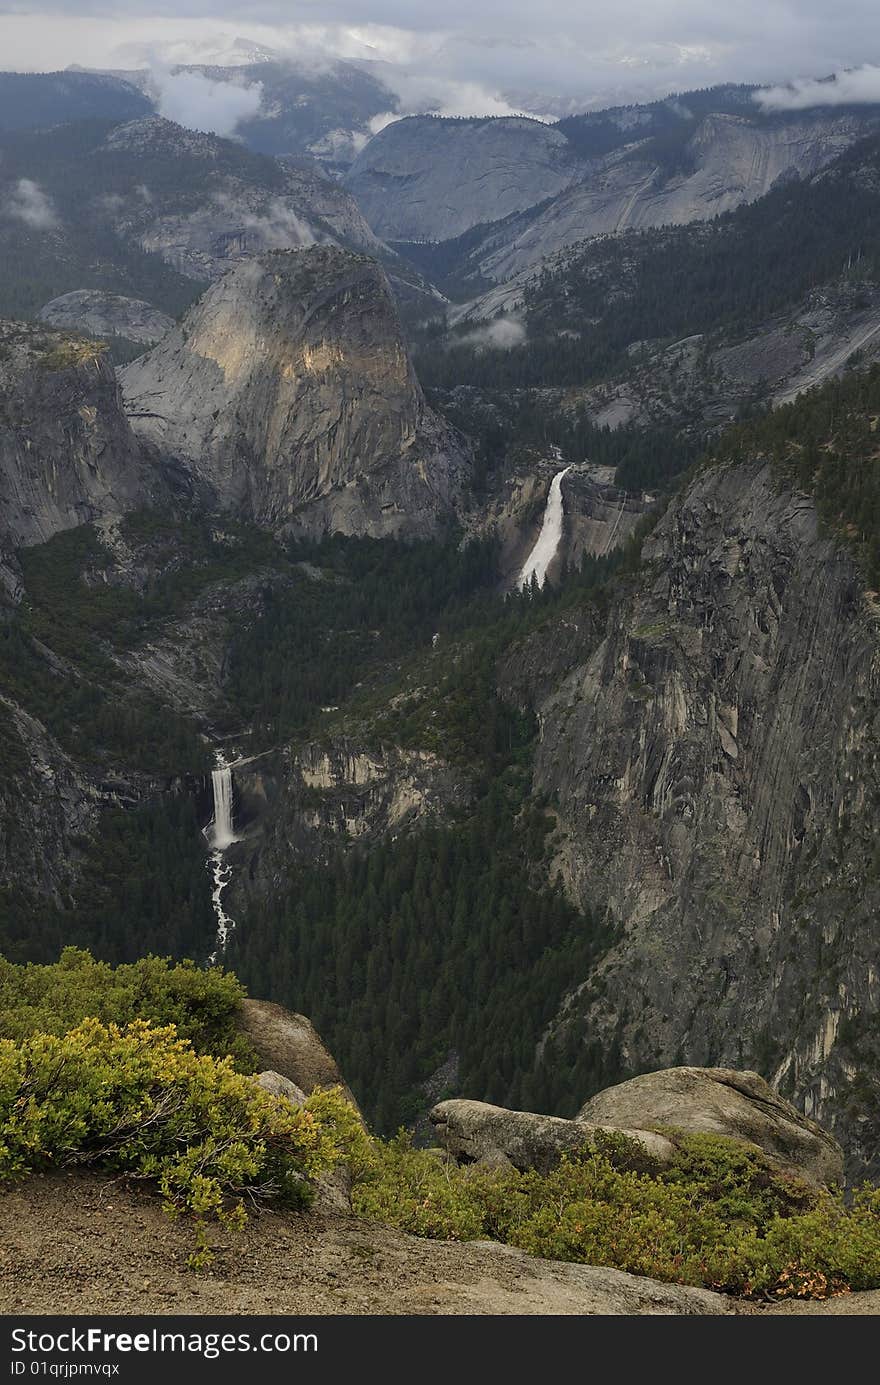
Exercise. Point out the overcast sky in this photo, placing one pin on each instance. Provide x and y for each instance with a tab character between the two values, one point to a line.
488	55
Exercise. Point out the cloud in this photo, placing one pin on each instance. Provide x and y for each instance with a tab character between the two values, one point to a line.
503	334
856	87
440	94
278	228
194	100
28	203
563	55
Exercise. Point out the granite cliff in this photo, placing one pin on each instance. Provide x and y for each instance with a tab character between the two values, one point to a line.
426	178
289	394
67	453
713	764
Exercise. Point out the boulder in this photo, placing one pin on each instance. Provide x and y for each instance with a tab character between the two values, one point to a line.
647	1110
290	1047
474	1132
276	1085
722	1101
332	1189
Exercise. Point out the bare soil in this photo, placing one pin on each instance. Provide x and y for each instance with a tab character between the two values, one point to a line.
80	1243
85	1244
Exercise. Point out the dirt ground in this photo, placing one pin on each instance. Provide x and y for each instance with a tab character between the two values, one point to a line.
80	1243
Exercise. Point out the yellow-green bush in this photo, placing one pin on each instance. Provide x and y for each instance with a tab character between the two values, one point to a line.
203	1004
140	1100
719	1216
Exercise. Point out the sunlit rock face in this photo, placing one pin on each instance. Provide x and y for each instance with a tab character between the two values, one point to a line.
288	392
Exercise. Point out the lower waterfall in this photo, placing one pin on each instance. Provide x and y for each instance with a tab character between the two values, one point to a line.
544	551
221	834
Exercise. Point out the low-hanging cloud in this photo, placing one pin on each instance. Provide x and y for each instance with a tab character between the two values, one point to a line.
503	334
199	103
858	86
562	56
28	202
278	227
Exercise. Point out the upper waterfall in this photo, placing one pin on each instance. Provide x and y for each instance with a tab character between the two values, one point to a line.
545	549
222	833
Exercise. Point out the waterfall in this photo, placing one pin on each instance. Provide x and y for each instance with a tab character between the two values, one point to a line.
544	551
220	834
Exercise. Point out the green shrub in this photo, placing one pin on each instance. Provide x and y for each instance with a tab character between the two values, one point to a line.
202	1004
139	1100
718	1216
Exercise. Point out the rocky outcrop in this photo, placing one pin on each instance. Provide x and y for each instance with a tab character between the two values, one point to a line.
289	394
713	763
706	380
473	1132
728	159
101	314
276	1085
290	1046
648	1111
735	159
67	453
426	178
46	803
720	1101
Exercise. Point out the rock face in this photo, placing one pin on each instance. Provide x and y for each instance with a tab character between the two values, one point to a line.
67	453
716	1101
720	1101
734	160
713	763
290	1046
426	178
101	314
316	797
288	392
725	159
45	803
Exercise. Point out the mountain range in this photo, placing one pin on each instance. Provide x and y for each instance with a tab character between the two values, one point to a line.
503	840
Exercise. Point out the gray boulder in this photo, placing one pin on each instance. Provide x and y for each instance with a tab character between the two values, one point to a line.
475	1132
290	1046
647	1110
276	1085
722	1101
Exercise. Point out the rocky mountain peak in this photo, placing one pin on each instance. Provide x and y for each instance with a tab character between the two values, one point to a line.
155	135
289	392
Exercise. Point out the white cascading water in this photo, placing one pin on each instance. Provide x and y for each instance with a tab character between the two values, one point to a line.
545	549
220	834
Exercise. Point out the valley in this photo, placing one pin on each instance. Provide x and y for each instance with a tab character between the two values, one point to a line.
439	571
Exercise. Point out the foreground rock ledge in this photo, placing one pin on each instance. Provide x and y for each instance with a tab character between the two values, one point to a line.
716	1101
